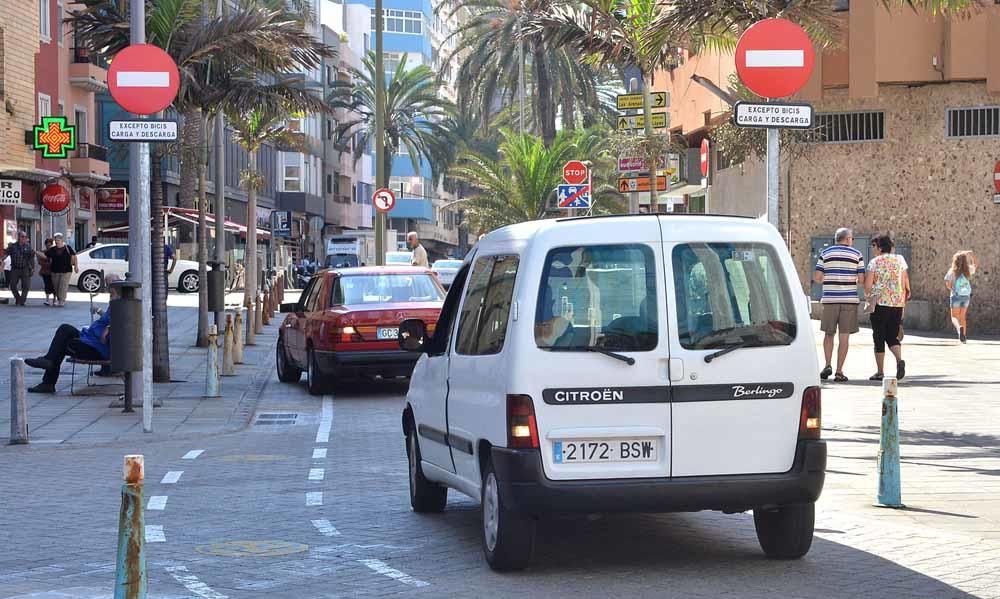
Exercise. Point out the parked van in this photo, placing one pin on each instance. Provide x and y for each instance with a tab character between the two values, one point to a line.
630	363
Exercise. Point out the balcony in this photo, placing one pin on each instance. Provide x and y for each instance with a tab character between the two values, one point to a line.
431	232
89	165
87	71
349	215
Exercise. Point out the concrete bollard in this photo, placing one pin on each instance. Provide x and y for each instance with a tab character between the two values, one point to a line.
888	453
251	336
238	337
266	312
18	404
130	567
212	368
258	315
227	349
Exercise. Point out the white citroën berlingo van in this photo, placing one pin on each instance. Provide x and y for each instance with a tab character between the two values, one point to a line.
629	363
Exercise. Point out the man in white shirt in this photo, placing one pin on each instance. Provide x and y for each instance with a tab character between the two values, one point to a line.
419	253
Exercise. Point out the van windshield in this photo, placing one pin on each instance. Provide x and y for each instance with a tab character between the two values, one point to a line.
731	294
598	296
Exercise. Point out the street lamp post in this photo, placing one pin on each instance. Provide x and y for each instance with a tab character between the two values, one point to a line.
380	166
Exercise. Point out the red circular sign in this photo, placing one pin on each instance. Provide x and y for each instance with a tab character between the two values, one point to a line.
704	158
143	79
384	199
55	198
996	176
575	172
774	58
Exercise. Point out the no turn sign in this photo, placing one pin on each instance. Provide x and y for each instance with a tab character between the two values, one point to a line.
143	79
774	58
384	200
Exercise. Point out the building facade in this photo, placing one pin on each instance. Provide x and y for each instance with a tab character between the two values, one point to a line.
906	139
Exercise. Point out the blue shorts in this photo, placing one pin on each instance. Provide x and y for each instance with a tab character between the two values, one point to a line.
960	301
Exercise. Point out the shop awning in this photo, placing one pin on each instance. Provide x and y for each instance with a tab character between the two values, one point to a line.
175	216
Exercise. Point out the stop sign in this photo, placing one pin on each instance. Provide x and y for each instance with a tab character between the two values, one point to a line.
774	58
55	198
143	79
704	158
575	172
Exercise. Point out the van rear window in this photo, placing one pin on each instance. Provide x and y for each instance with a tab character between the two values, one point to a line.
731	294
598	296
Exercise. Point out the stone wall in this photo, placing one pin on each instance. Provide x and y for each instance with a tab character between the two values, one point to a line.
934	193
18	46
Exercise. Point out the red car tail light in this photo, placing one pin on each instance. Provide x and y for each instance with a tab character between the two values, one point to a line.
522	428
810	420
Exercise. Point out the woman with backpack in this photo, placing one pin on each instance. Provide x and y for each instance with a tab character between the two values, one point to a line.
959	283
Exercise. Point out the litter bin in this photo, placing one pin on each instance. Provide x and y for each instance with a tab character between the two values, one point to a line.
126	328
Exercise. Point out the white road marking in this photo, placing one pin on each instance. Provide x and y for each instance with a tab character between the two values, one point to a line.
143	79
319	453
776	58
325	421
154	534
157	502
314	498
325	528
191	583
171	477
384	569
193	454
316	473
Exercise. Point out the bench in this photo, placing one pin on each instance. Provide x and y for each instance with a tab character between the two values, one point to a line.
90	364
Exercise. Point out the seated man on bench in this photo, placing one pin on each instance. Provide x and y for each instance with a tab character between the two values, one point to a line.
90	343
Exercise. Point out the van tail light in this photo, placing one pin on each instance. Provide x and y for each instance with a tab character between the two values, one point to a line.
522	428
810	421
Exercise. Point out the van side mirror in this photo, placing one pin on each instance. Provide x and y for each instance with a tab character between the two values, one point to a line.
289	307
412	335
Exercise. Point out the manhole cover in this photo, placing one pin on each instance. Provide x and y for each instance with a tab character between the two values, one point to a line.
258	548
253	457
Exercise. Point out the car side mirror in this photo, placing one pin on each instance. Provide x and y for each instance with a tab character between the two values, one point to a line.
289	308
412	335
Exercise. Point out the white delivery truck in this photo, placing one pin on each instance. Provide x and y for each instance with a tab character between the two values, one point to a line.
348	250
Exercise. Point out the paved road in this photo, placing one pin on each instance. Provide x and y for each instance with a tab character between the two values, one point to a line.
310	501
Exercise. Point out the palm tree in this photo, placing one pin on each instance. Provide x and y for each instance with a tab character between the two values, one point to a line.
415	115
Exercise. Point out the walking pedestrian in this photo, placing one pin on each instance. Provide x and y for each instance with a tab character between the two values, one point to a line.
840	268
93	243
887	289
45	270
958	280
62	262
419	253
22	266
5	280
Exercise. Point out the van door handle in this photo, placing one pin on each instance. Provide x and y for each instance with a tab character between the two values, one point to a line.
676	369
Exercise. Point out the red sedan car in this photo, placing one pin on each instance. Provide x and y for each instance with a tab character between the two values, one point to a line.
346	323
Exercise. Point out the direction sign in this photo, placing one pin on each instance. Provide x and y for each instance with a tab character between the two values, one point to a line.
142	130
575	172
384	199
630	184
634	101
761	114
996	176
705	158
774	58
639	122
573	196
143	79
637	163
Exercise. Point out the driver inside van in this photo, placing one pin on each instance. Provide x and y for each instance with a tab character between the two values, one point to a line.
569	296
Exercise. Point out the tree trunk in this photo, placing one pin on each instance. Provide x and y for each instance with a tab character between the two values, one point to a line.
161	340
250	257
191	156
569	112
544	107
202	334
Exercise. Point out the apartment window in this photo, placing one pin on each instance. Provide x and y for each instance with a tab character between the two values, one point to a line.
846	127
59	23
983	121
329	183
400	21
294	125
44	105
390	61
293	178
44	22
80	118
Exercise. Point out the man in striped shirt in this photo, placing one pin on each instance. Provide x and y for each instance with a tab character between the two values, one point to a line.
840	269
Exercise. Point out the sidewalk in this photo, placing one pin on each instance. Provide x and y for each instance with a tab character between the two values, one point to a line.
89	419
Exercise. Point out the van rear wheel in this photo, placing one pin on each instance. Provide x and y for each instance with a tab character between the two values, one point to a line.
785	532
508	537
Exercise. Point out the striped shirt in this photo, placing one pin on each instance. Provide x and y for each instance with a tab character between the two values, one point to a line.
840	266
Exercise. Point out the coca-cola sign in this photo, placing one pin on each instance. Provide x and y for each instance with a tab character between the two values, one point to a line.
55	198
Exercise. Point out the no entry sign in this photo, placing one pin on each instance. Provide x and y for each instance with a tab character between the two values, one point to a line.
704	158
996	176
575	172
143	79
774	58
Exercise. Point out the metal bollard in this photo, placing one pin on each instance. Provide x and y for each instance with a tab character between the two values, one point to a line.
888	453
130	567
18	404
212	369
258	315
227	349
238	337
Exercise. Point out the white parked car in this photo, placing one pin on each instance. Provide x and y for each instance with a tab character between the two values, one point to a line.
631	363
112	258
446	271
398	258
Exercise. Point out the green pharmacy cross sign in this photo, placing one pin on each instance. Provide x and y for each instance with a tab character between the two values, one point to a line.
55	137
